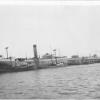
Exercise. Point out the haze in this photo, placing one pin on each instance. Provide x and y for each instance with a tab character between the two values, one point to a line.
71	29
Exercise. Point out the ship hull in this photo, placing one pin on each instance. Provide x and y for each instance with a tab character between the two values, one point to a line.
7	67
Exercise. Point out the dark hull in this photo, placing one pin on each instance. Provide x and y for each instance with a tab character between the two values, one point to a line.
5	67
16	69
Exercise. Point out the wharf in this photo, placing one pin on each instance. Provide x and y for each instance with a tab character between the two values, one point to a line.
13	66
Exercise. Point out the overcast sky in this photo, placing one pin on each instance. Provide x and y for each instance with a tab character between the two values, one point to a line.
71	29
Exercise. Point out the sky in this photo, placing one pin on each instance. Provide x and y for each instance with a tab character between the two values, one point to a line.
69	28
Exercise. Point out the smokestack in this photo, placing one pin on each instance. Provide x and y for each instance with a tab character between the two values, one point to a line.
35	51
36	59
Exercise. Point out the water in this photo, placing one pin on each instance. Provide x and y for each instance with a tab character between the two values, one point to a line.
78	82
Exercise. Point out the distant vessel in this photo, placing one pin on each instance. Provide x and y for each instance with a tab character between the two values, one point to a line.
9	65
14	66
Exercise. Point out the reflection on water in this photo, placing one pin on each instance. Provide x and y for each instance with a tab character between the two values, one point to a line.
68	82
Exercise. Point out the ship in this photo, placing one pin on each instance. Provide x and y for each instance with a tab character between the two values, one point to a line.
19	64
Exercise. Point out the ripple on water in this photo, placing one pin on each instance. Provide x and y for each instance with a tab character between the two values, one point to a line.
21	82
68	93
19	92
1	92
52	83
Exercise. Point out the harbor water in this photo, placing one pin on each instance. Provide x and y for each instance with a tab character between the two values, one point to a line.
71	82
